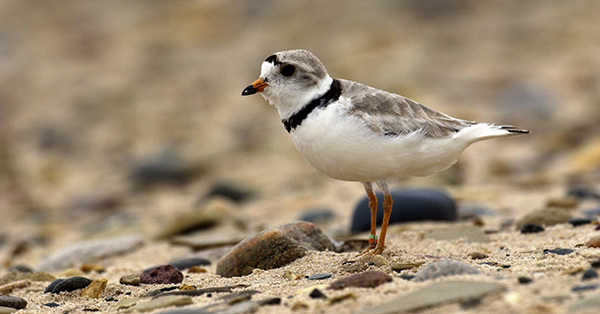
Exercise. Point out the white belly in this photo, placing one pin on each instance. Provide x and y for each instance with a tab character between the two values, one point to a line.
344	149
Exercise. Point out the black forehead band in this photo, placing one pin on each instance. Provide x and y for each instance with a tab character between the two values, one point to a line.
273	59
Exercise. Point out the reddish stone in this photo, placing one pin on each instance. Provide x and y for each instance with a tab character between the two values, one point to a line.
165	274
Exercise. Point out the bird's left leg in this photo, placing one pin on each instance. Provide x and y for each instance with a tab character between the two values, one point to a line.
373	207
387	211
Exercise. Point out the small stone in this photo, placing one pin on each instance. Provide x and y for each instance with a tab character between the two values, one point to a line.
595	264
197	270
589	274
319	276
524	280
95	289
51	304
110	298
580	288
87	267
559	251
576	222
274	248
593	242
290	275
477	255
409	205
403	266
445	268
13	302
546	216
566	203
69	284
165	274
186	287
340	298
531	228
379	260
368	279
230	191
317	294
132	280
7	310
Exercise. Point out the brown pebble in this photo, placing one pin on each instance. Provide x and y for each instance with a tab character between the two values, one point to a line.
402	266
133	280
593	242
86	268
13	302
186	287
197	270
368	279
566	203
477	255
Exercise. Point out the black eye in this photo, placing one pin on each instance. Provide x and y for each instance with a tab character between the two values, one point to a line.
288	70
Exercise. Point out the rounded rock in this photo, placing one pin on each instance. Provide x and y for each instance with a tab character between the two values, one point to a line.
12	302
68	285
165	274
408	205
132	280
531	228
445	268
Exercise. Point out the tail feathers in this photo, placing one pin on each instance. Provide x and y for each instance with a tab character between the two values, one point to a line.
483	131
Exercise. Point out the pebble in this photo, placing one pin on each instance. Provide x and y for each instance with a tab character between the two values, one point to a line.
595	264
409	205
546	216
524	280
157	303
186	263
317	216
13	302
132	280
379	260
230	192
445	268
531	228
437	293
559	251
583	193
368	279
165	274
319	276
576	222
51	304
317	294
166	168
589	274
89	252
95	289
580	288
397	266
566	203
273	248
471	234
197	270
69	284
477	255
593	242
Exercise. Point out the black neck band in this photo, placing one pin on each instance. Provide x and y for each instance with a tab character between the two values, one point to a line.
334	92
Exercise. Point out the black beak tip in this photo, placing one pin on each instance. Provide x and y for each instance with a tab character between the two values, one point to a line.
249	90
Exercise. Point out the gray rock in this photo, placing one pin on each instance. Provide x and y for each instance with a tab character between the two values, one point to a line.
69	284
436	294
13	302
471	234
445	268
132	280
88	252
7	310
545	217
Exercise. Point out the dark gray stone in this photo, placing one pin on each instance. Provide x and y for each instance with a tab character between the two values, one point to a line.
13	302
68	285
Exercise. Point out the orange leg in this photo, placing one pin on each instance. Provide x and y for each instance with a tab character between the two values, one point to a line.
373	208
387	211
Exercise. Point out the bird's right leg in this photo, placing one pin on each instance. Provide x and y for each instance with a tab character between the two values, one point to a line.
373	207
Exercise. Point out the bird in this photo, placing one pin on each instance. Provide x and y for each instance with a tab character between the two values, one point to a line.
353	132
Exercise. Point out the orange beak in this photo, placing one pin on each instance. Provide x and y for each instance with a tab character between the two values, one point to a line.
256	87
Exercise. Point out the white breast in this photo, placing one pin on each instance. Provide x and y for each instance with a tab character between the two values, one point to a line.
342	147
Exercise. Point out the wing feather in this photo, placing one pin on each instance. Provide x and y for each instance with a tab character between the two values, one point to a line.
390	114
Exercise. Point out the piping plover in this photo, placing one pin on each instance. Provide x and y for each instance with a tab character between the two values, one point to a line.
354	132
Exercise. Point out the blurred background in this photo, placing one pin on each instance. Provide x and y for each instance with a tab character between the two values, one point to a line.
119	116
